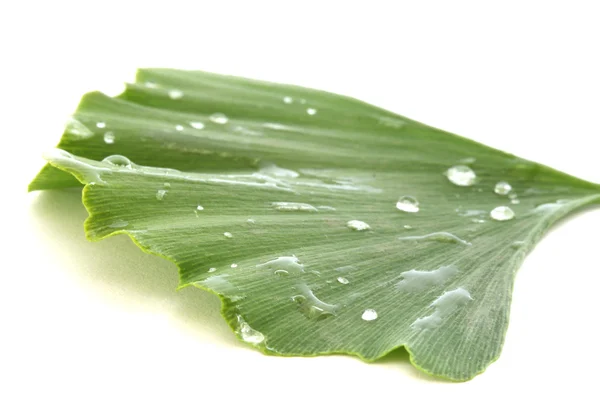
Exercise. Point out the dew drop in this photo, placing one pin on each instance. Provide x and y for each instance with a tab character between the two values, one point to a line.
408	204
442	237
445	306
461	175
151	85
369	315
288	100
109	137
416	280
197	125
228	235
343	281
311	111
407	227
179	128
358	225
161	194
119	161
311	306
247	333
288	206
101	124
199	208
286	264
502	188
175	94
502	213
234	265
75	128
212	269
219	118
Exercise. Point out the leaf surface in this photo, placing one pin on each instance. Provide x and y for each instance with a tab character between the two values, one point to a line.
326	225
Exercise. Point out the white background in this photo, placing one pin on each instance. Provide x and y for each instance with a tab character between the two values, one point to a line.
103	320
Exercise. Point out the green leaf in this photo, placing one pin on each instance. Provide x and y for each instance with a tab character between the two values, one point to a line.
289	204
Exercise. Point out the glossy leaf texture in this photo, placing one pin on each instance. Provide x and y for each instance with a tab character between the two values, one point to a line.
326	225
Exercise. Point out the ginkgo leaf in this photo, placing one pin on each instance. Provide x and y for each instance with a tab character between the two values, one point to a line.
324	224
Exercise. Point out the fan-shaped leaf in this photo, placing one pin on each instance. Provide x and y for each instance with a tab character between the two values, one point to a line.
325	225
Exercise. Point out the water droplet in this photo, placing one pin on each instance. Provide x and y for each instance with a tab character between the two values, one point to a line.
219	118
228	235
179	128
502	213
109	137
274	170
288	100
247	333
408	204
119	223
407	227
212	269
444	305
513	198
358	225
311	306
369	315
75	128
250	221
414	280
461	175
197	125
443	237
285	263
151	85
287	206
219	283
161	194
101	124
548	207
234	265
199	208
502	188
119	161
175	94
311	111
343	281
281	272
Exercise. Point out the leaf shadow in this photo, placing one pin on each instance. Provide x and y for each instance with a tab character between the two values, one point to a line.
115	269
